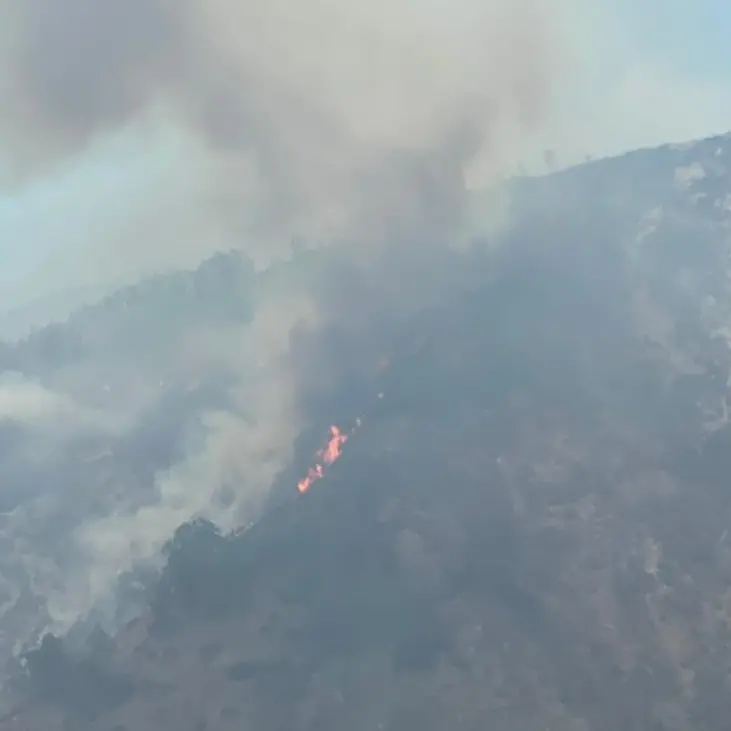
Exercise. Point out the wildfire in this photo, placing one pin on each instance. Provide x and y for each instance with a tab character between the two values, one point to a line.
325	457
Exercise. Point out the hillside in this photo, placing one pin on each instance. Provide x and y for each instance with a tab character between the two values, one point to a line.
529	529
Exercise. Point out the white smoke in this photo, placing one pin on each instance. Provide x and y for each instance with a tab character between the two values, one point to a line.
332	120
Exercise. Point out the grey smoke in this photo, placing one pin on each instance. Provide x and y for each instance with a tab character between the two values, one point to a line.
350	124
52	418
296	101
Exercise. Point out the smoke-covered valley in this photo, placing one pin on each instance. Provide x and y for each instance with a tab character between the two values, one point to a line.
526	522
561	400
307	127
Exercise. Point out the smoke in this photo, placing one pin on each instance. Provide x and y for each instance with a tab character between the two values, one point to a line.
336	122
28	403
51	418
225	476
296	102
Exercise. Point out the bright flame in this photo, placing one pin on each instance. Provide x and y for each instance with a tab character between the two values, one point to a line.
325	456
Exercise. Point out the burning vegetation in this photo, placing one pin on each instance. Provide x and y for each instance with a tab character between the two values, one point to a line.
326	456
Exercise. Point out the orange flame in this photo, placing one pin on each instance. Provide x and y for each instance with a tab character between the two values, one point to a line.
326	456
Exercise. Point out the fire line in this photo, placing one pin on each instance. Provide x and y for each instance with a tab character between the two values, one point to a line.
326	456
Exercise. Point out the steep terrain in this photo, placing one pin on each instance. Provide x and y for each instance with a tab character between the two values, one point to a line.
529	529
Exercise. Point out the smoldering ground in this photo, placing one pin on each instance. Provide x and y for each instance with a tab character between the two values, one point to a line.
345	124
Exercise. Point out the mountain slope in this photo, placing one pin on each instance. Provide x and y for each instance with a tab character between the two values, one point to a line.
528	530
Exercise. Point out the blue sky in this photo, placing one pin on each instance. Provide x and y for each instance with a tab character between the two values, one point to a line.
692	36
658	70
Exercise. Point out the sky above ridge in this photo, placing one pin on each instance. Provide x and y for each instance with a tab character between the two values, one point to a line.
643	74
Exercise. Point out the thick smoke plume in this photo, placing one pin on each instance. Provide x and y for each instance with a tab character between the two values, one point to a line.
301	103
333	121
